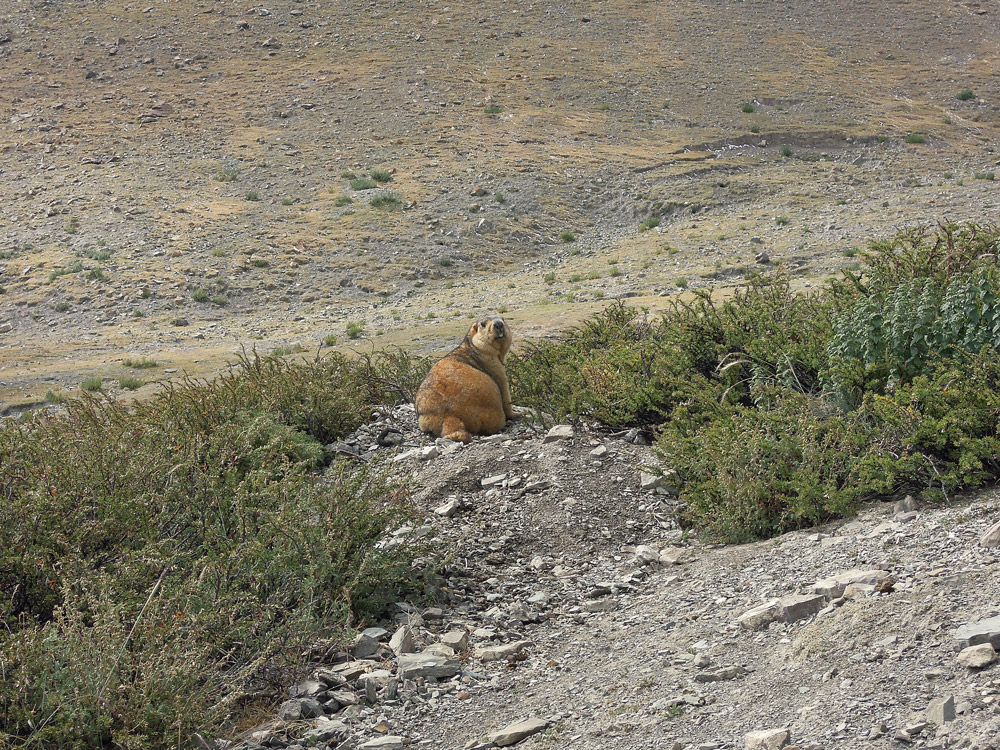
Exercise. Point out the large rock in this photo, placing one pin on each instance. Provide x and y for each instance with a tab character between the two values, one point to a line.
977	657
457	640
992	536
834	586
796	607
677	555
426	666
326	729
974	633
760	616
514	733
767	739
941	710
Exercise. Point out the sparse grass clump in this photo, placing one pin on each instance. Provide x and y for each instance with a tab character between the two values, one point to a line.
389	201
330	340
201	295
96	274
549	278
363	183
987	176
129	383
343	200
916	138
786	151
567	237
92	384
260	263
651	223
354	329
163	561
748	108
781	220
381	175
142	363
492	109
75	267
227	174
61	306
965	95
252	195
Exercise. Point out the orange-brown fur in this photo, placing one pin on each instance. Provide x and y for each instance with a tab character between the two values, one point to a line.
466	392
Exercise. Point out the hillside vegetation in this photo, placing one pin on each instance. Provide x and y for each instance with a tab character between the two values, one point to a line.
166	564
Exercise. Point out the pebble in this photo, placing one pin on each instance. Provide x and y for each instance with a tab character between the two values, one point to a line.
559	432
767	739
941	710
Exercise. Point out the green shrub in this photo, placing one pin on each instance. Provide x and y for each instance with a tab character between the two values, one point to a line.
170	559
916	138
965	95
567	237
252	195
227	174
343	200
355	329
92	384
651	223
363	183
492	109
220	301
201	295
381	175
130	383
786	151
95	274
748	108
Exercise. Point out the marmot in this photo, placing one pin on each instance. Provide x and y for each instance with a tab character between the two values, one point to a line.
466	392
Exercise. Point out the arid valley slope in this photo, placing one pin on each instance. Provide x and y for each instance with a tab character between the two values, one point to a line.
176	175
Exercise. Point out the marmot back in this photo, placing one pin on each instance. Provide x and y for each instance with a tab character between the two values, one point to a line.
466	392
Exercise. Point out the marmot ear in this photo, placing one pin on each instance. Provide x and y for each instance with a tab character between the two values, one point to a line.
474	330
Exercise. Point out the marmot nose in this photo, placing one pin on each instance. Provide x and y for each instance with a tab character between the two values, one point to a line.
498	327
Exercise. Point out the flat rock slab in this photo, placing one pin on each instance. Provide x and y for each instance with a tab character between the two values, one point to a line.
977	657
796	607
389	742
426	665
941	710
499	653
974	633
559	432
767	739
760	616
514	733
834	586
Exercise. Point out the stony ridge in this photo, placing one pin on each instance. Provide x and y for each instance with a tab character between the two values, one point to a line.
576	614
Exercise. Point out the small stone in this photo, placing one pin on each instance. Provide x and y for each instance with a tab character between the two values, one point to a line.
941	710
767	739
906	505
308	688
456	640
377	633
426	665
645	554
559	432
426	454
494	481
514	733
363	646
326	729
599	451
499	653
677	555
300	708
992	537
450	508
389	742
720	675
762	258
402	641
977	657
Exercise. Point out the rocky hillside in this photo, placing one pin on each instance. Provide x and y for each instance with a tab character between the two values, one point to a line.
577	615
184	178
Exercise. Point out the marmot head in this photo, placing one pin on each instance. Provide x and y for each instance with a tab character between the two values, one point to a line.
491	334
